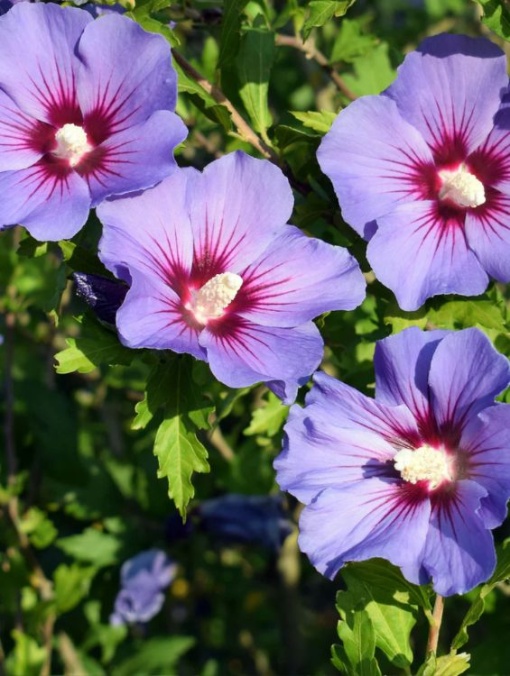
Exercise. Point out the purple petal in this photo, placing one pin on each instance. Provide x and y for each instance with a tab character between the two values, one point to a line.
150	566
37	62
417	252
136	158
149	232
236	205
103	295
17	132
450	89
402	364
370	518
459	550
375	160
466	373
488	236
126	74
486	441
242	354
152	316
283	289
50	206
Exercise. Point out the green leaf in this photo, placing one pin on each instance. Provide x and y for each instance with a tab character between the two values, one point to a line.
27	657
390	601
92	546
94	347
321	11
484	312
373	72
230	29
202	99
496	16
447	665
318	121
143	12
155	656
179	454
269	418
72	584
254	63
351	42
38	527
477	607
358	643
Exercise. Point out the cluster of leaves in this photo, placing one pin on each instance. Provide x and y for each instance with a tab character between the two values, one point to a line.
94	447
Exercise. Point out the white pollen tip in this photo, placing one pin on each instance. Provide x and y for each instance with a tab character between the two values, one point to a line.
213	298
423	464
72	143
461	187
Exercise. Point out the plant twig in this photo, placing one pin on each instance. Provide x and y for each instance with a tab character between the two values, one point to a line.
435	625
311	52
243	128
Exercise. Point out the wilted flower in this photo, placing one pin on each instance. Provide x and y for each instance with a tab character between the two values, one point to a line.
103	295
417	476
215	272
423	171
143	580
85	113
260	519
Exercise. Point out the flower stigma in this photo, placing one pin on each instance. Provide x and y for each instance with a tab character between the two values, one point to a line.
461	187
72	143
213	298
423	464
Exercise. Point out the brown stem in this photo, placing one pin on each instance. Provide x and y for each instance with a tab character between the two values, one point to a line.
311	52
435	624
243	128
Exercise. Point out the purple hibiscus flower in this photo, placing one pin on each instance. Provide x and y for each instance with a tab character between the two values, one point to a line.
85	112
215	272
417	476
143	580
423	171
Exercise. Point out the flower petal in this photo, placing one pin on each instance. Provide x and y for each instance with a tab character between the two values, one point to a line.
370	518
50	205
486	440
149	232
297	278
235	207
417	252
459	550
37	62
151	316
375	160
134	159
450	89
18	136
402	364
466	373
125	76
241	353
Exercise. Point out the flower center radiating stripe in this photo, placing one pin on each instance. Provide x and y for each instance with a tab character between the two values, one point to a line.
423	464
213	298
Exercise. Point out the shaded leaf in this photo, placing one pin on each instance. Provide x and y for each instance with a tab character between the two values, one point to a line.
155	656
230	30
254	63
318	121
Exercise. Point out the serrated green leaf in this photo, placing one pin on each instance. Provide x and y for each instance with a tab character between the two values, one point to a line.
496	16
92	546
71	585
269	418
27	657
321	11
256	56
179	454
39	528
351	42
318	121
459	314
373	72
230	30
95	346
286	136
358	643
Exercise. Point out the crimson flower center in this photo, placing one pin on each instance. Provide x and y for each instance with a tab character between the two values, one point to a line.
423	464
213	298
72	143
461	187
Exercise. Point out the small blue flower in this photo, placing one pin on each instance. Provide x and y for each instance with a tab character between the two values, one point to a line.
143	580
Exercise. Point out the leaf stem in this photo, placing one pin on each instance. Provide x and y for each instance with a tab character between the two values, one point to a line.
311	52
435	624
243	128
